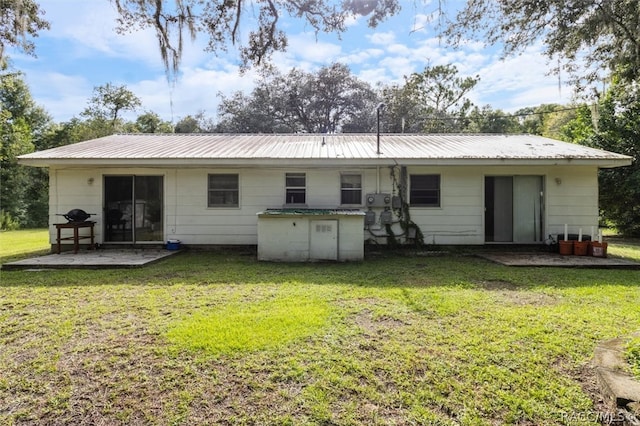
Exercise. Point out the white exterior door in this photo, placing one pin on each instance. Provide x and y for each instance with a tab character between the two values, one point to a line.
323	241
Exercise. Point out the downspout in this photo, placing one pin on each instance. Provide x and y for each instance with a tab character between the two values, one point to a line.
380	106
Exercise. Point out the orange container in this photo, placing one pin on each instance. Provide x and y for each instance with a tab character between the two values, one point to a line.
565	247
580	248
599	249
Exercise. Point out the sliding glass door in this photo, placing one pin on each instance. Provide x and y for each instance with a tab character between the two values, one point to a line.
133	209
514	209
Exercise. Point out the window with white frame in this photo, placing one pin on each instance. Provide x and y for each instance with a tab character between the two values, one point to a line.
223	190
295	188
424	190
350	188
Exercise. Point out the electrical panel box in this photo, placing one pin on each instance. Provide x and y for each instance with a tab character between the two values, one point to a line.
386	217
378	200
395	202
369	217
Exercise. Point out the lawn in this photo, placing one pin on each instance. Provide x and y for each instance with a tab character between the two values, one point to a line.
219	338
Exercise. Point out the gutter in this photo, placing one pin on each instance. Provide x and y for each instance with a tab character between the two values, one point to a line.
321	162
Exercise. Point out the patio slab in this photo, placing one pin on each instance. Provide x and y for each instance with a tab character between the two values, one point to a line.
92	259
559	261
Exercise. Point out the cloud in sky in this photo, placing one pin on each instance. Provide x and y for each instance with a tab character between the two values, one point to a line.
83	51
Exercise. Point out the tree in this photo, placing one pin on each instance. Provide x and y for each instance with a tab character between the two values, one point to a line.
254	113
581	128
532	119
433	100
488	120
330	100
222	20
323	102
618	130
19	19
149	122
555	123
23	126
584	36
108	101
401	113
198	123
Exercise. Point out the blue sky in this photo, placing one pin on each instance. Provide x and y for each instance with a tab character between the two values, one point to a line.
82	51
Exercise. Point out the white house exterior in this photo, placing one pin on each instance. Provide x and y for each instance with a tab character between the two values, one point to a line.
208	190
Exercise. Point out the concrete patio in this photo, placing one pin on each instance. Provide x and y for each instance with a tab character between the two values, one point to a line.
93	259
546	259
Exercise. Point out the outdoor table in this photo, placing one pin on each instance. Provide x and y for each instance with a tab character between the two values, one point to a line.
76	234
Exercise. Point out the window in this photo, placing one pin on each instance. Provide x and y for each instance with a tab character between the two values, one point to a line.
424	190
223	190
295	188
350	189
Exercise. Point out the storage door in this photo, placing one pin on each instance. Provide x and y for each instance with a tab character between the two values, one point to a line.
323	241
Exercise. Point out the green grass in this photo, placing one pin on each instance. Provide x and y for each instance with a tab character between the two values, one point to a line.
18	244
628	248
633	356
219	338
248	325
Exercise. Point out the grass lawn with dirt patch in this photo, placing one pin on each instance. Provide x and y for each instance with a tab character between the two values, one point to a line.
219	338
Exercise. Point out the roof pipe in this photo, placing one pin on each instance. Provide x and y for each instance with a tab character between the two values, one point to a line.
380	106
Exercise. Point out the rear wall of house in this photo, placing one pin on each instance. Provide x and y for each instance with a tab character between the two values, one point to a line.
570	195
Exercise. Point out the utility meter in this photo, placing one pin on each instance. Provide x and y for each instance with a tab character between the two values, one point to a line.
378	200
386	217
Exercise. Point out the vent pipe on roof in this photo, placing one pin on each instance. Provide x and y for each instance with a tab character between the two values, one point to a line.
380	106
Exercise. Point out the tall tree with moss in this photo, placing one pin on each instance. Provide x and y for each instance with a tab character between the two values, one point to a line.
20	22
224	21
582	38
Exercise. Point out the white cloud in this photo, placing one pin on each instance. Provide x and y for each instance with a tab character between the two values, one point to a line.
90	29
382	38
84	32
361	56
374	75
305	47
422	23
520	81
63	96
197	90
398	66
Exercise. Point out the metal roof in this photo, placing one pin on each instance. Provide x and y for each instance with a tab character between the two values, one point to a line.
286	149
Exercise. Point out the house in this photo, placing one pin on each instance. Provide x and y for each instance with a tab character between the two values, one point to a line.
312	196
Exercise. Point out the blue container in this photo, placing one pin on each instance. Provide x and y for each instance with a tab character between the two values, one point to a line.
173	245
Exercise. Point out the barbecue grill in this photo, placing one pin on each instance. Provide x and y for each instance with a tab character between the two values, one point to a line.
76	215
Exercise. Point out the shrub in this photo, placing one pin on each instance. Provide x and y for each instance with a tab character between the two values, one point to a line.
7	222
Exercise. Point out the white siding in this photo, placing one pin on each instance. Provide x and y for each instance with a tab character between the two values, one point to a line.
73	189
459	219
572	200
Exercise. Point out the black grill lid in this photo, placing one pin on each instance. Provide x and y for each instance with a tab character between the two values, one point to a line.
77	215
